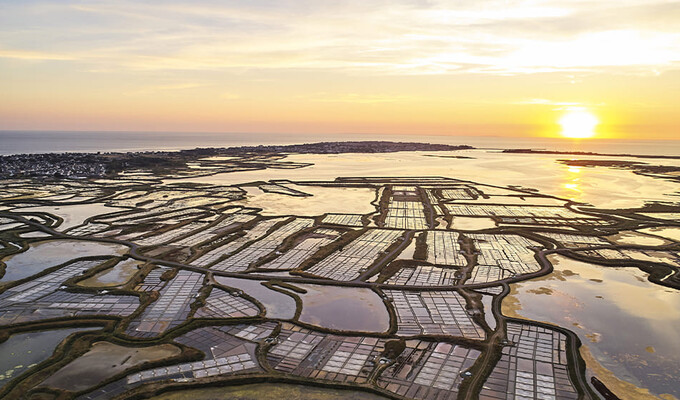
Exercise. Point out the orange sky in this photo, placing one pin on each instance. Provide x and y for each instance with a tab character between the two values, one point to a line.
471	67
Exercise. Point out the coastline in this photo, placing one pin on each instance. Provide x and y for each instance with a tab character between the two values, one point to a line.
17	142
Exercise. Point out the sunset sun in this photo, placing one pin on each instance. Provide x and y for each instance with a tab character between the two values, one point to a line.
578	124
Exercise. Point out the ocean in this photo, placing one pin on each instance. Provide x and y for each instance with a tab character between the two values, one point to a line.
20	142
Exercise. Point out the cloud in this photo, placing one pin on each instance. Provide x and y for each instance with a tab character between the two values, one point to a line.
357	98
230	96
560	105
378	37
547	102
169	87
34	55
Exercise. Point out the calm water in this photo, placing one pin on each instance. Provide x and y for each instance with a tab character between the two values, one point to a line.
118	275
602	187
629	325
344	308
25	350
278	305
103	361
323	200
14	142
72	215
50	253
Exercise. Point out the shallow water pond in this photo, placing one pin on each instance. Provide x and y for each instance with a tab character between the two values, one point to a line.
34	234
24	350
278	305
103	361
407	253
668	232
73	215
629	325
117	275
343	308
487	301
472	223
7	227
50	253
322	200
636	238
514	200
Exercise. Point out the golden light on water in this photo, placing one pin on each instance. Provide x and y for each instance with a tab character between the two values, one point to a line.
572	186
572	183
578	124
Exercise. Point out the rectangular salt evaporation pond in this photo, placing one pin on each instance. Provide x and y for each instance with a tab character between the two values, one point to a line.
72	215
22	351
343	308
278	305
43	255
627	324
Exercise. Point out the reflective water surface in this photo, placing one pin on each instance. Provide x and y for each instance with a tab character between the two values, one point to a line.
668	232
629	325
103	361
278	305
601	187
73	215
117	275
472	223
323	200
636	238
344	308
22	351
50	253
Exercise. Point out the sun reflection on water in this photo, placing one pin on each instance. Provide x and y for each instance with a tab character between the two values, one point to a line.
572	183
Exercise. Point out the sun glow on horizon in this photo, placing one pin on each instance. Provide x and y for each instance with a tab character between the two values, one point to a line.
465	68
578	124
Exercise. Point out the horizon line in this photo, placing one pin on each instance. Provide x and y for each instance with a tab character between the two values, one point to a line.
466	135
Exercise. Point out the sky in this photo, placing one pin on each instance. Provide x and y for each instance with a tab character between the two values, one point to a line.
465	67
